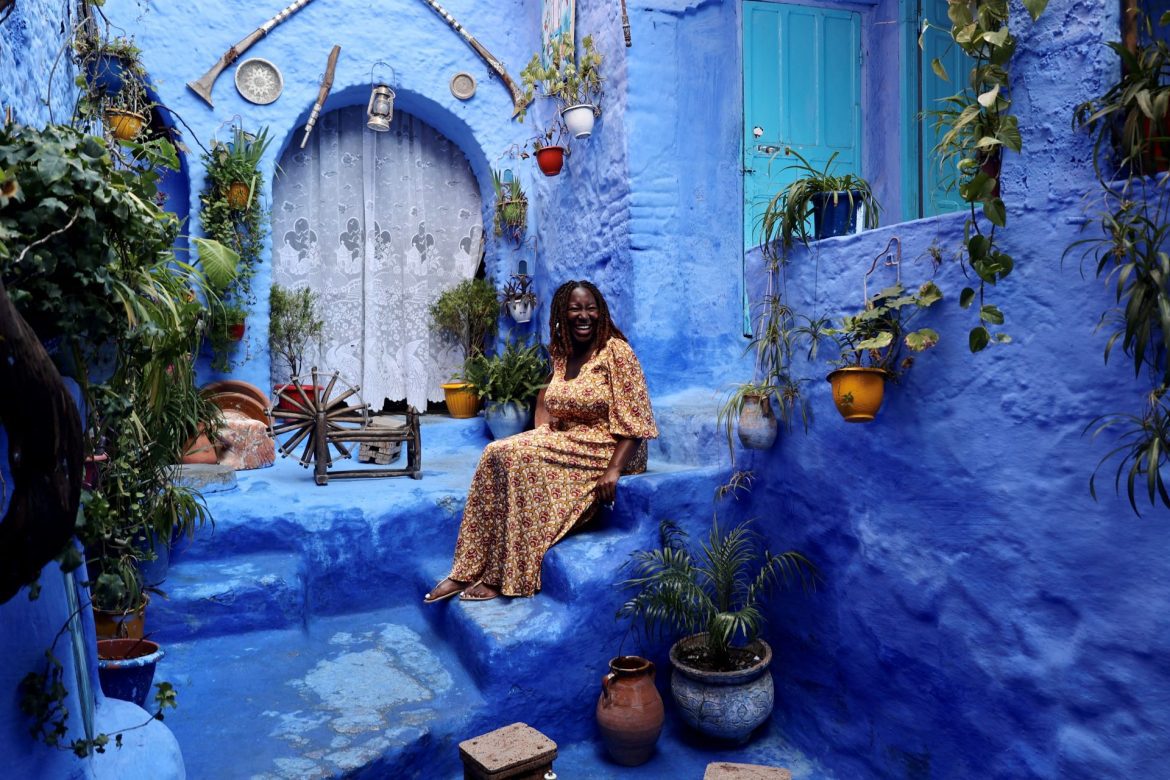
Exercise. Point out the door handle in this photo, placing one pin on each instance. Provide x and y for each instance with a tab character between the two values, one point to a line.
767	148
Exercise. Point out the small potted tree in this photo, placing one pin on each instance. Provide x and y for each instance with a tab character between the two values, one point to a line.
871	343
509	381
713	596
834	201
511	217
465	315
573	82
519	297
293	322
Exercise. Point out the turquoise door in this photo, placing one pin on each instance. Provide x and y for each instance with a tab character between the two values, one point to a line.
937	191
802	89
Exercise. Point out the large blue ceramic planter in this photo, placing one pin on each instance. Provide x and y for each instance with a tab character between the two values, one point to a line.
725	705
126	668
505	420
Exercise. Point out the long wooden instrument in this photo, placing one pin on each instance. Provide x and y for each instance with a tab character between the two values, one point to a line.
326	85
492	62
202	86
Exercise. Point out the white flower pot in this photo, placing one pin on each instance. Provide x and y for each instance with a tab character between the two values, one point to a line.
521	311
579	120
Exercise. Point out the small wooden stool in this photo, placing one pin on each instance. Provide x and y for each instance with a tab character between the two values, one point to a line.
516	752
724	770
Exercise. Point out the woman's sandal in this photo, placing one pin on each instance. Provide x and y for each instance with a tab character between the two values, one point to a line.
465	596
429	599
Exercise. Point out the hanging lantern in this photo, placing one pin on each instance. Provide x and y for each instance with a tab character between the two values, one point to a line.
380	110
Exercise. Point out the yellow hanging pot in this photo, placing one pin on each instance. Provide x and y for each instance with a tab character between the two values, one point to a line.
858	392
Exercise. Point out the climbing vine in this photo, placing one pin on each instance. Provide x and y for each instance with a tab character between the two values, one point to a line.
976	126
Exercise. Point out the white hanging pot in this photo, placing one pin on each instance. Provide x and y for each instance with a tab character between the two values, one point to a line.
521	311
579	119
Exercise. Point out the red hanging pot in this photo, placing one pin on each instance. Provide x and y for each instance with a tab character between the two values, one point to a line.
550	159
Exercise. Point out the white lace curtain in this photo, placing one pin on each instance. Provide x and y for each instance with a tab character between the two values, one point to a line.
379	224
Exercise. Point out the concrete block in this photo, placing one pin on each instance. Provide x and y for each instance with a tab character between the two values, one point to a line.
515	752
725	770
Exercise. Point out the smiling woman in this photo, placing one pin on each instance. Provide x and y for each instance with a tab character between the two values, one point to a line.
531	489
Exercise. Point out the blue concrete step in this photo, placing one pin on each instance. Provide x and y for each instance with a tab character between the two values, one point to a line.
231	595
360	695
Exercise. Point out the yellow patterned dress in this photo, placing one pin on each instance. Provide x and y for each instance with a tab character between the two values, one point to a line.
531	489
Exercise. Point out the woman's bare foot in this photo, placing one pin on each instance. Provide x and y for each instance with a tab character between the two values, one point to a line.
480	591
445	590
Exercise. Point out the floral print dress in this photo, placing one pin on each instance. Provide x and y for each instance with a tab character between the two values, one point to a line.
531	489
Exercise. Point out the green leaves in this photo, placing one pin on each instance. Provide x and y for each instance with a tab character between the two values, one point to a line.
978	338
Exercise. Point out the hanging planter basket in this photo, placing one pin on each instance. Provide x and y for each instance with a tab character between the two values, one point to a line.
550	159
238	195
124	125
579	119
521	310
757	423
106	72
858	392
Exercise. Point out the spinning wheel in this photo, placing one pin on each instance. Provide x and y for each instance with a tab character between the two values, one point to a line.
321	418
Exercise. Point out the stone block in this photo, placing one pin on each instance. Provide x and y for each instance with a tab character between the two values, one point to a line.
725	770
515	752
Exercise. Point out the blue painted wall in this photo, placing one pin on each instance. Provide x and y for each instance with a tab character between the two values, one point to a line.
982	615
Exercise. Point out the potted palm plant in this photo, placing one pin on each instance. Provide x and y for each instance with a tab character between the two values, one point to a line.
508	381
713	596
834	201
871	343
465	315
292	323
573	82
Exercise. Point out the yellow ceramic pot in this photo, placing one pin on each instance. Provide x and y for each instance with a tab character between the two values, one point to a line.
462	401
237	195
858	392
125	125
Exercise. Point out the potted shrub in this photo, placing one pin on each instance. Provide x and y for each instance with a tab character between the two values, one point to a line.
465	315
228	216
511	216
573	82
509	381
127	111
833	201
292	323
107	63
519	297
713	596
871	343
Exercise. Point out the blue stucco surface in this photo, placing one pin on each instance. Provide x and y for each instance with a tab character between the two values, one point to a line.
981	615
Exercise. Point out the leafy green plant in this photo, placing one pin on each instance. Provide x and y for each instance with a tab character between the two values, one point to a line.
875	336
718	587
518	289
237	224
292	323
514	375
466	315
976	126
1129	121
568	79
511	215
787	215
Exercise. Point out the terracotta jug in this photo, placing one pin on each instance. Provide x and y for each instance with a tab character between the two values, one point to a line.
629	711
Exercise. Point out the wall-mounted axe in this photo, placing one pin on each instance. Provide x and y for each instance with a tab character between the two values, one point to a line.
202	86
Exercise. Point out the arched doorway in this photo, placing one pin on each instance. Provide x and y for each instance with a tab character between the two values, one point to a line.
378	224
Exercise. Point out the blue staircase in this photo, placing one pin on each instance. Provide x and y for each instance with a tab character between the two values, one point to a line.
296	635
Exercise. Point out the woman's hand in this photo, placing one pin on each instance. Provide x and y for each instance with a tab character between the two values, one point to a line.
606	487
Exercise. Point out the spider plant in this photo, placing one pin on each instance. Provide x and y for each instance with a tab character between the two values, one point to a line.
717	588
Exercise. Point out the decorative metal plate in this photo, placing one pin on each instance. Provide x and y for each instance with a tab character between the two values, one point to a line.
463	85
259	81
